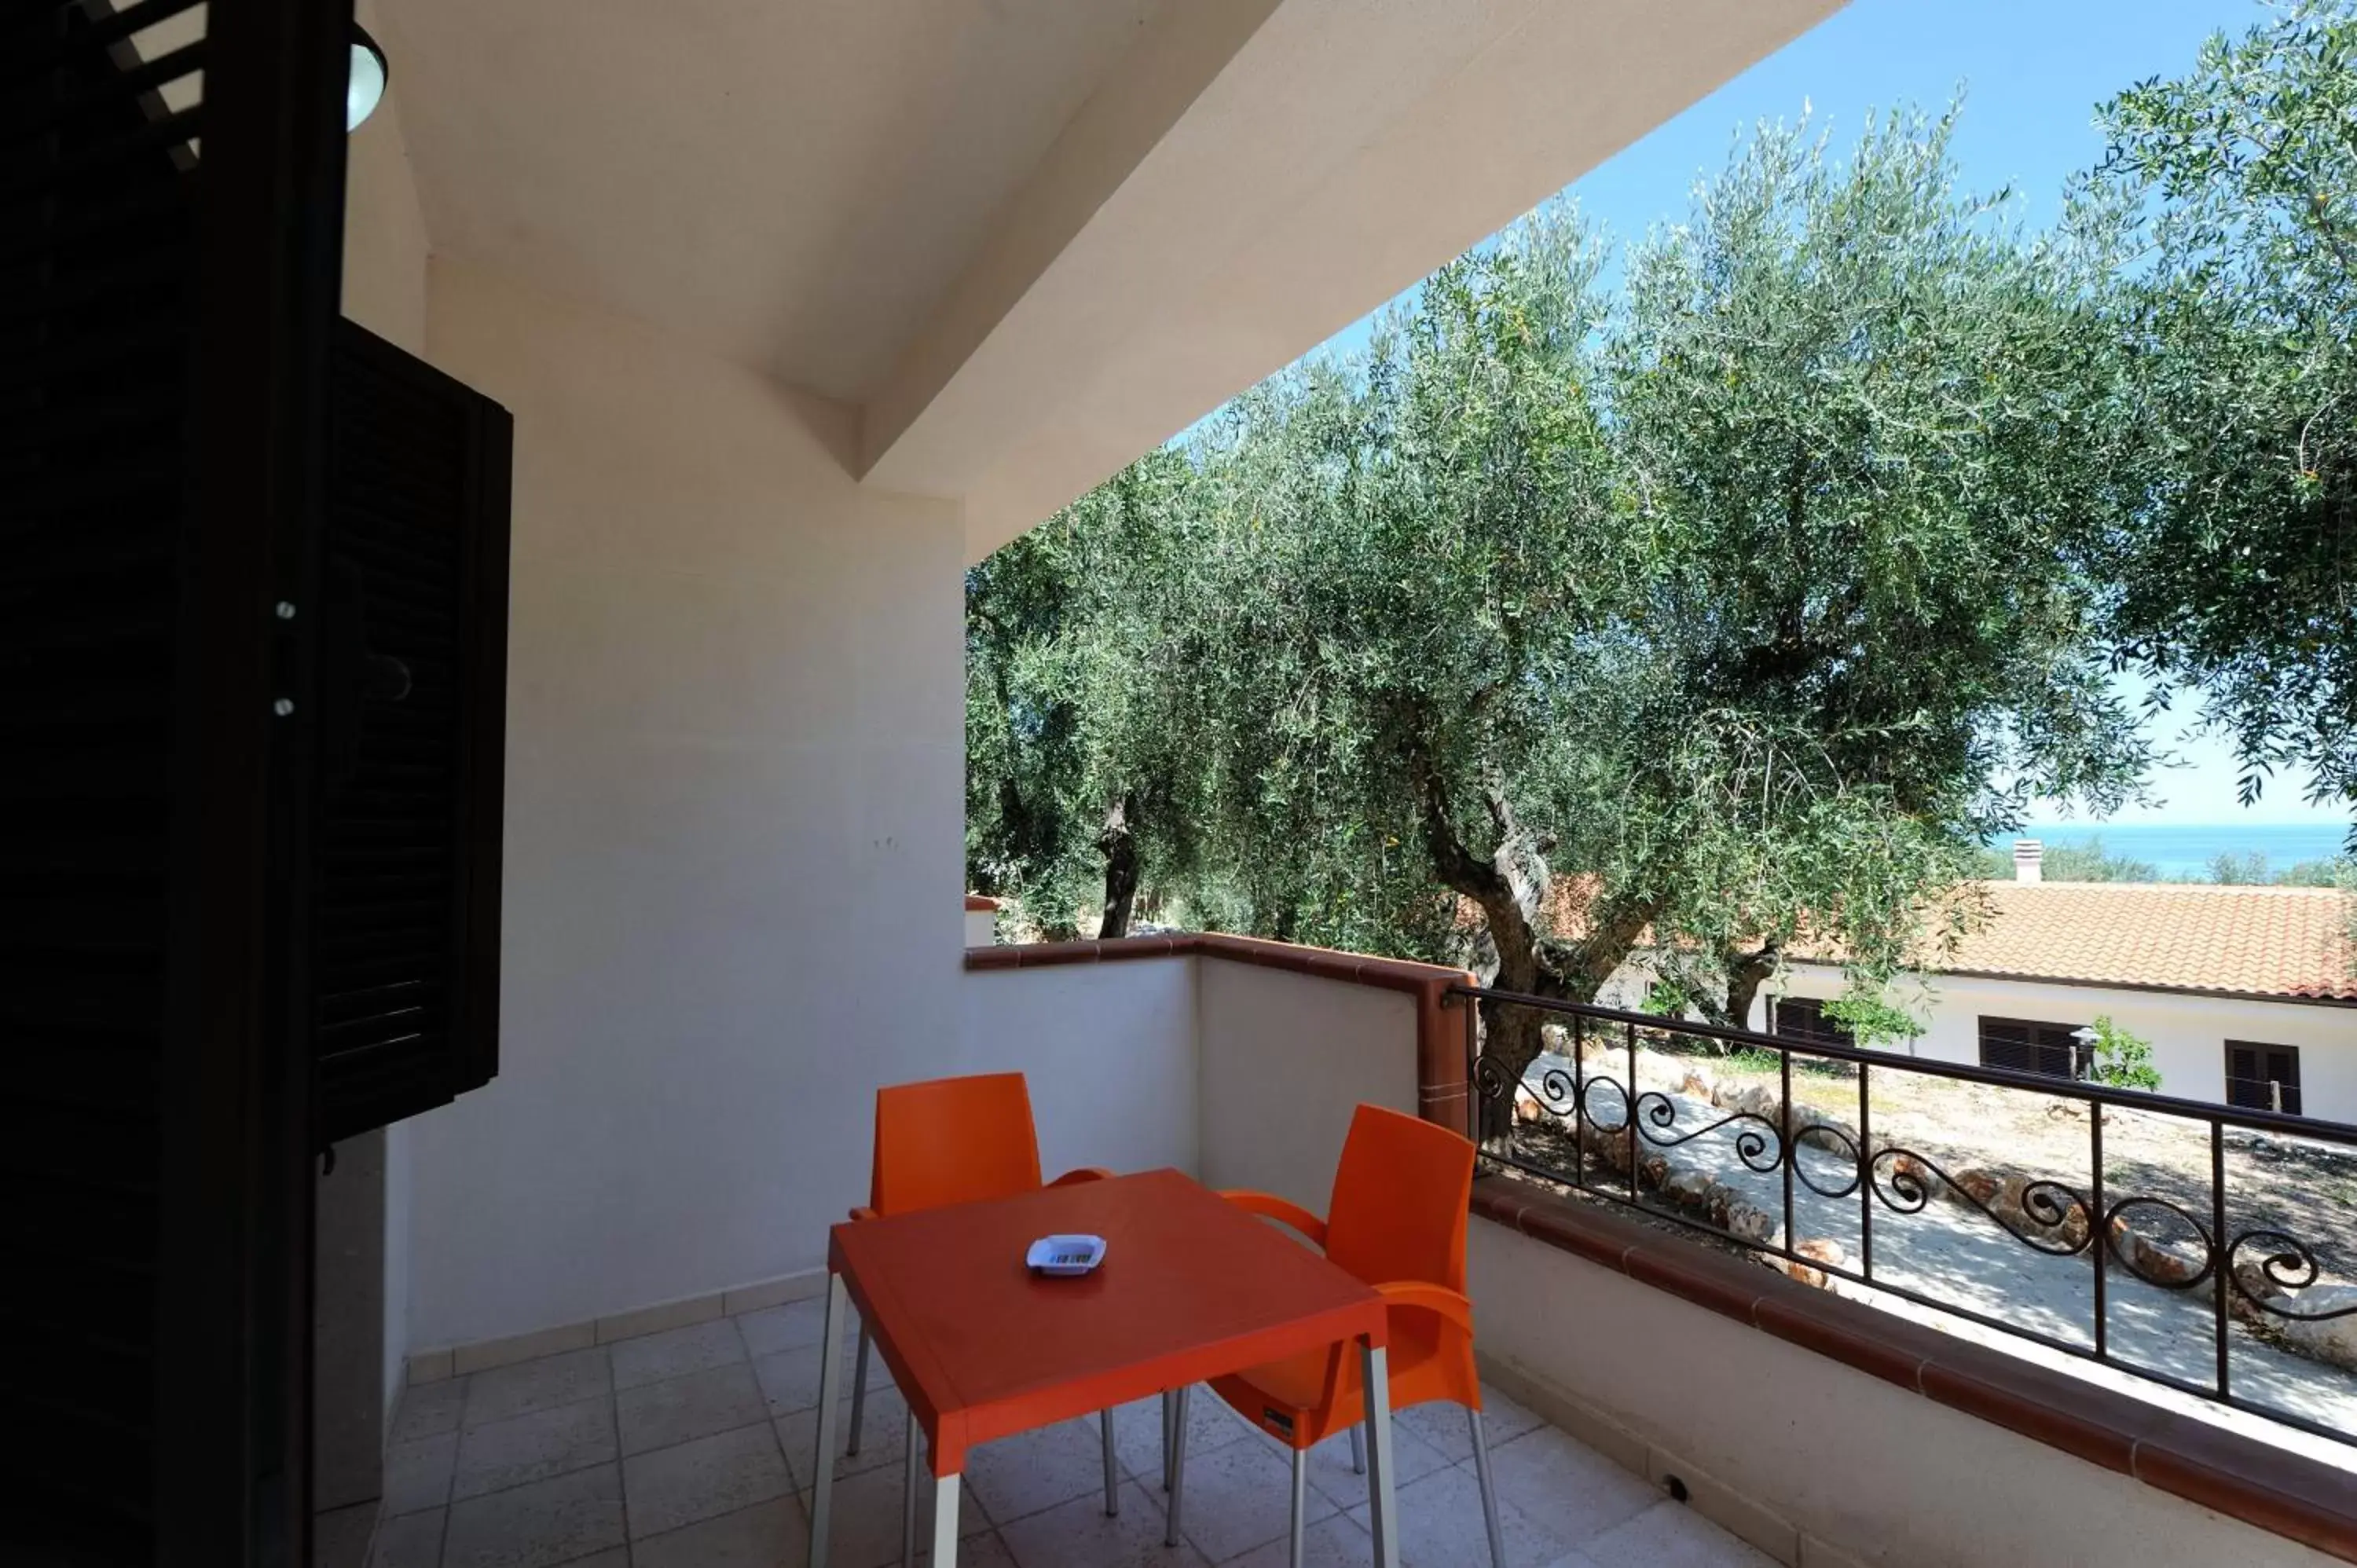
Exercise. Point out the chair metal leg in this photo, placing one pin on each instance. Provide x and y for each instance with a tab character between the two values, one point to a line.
908	1497
1489	1491
1170	1404
1112	1476
1300	1504
1382	1511
1177	1470
858	1389
1358	1452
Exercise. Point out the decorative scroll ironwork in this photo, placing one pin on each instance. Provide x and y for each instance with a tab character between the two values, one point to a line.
2049	1206
2145	1236
1760	1147
2303	1273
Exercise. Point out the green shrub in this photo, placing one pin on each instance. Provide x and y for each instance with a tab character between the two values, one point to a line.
1872	1020
2121	1059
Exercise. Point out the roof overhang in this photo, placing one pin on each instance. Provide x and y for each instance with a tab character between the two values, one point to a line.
1018	244
1255	177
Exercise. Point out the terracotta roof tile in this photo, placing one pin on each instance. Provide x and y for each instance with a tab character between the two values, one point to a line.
2251	941
2269	941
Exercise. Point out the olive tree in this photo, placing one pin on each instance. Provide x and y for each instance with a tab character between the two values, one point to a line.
1739	604
2229	195
1080	770
1876	425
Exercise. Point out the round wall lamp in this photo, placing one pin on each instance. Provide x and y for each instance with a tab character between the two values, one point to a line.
364	88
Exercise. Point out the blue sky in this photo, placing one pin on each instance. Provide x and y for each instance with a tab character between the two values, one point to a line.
2031	74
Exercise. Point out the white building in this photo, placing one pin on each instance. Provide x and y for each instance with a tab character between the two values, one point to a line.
2246	994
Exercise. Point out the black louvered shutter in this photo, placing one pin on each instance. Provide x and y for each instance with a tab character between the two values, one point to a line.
170	219
406	926
98	238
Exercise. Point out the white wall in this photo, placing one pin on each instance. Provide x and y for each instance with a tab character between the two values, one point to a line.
1877	1472
1109	1050
734	850
1285	1061
2188	1033
1243	1076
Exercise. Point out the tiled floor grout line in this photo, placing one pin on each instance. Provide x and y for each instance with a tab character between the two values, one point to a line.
621	1474
450	1505
441	1541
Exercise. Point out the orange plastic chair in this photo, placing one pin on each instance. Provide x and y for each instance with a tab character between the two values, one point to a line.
1397	1221
954	1140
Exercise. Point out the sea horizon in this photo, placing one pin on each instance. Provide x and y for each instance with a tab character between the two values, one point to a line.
2184	851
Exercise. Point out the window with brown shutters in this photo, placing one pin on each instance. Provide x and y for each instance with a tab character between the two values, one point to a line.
1803	1018
2263	1078
2027	1045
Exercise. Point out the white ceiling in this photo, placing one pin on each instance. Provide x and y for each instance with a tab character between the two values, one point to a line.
1020	241
793	184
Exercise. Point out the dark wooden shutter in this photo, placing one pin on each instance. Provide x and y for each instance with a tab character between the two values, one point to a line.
2029	1045
413	687
98	238
1803	1018
2256	1073
169	247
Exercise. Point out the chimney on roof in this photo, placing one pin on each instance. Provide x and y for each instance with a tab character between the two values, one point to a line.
2029	860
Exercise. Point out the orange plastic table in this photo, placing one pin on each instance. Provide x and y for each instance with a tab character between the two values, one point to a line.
1190	1287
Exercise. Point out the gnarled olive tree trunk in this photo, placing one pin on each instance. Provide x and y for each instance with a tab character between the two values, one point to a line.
1746	973
1118	843
1510	887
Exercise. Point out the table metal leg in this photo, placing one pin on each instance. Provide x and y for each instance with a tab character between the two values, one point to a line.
1382	1513
945	1521
1111	1476
908	1497
1178	1469
858	1391
830	1374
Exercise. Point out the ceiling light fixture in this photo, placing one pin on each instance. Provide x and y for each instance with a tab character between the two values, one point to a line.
364	88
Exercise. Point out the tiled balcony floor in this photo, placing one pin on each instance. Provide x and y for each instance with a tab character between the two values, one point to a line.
694	1447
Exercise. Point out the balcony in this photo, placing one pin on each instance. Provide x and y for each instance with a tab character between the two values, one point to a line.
1659	1396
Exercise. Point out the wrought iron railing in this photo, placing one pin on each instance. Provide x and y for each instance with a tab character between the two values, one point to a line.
2151	1262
